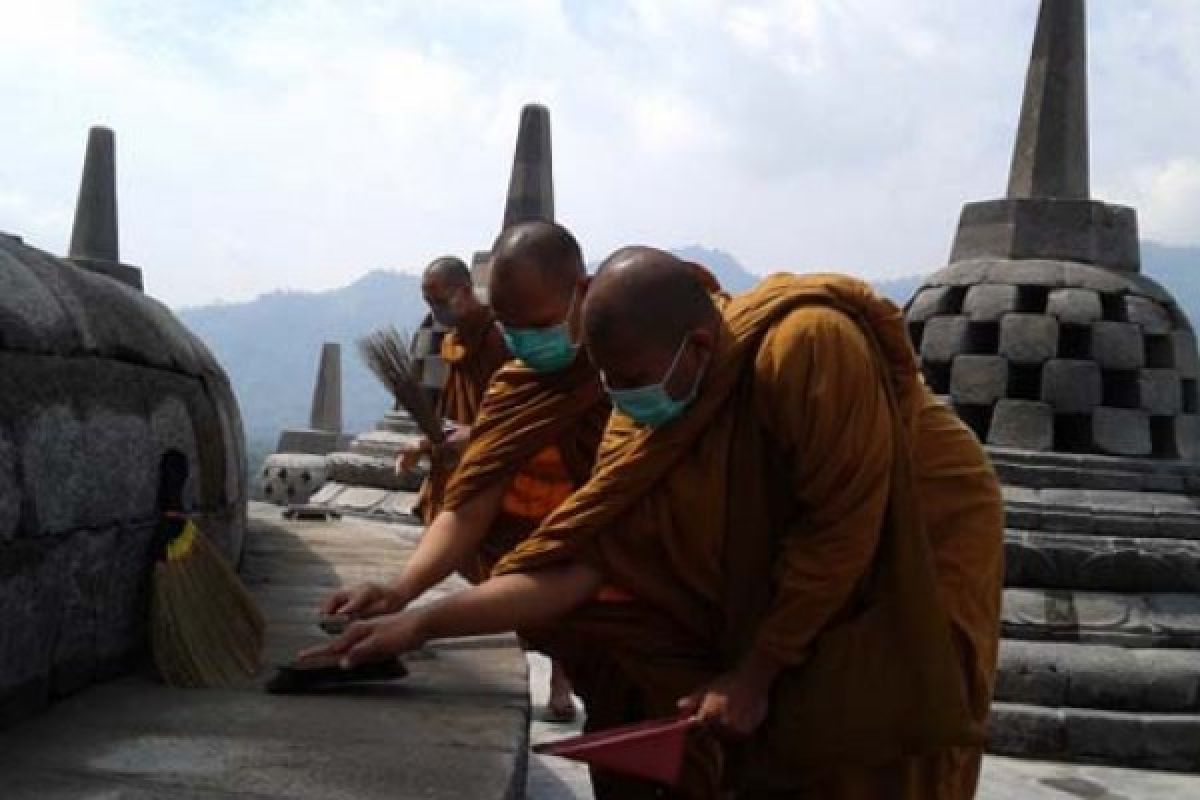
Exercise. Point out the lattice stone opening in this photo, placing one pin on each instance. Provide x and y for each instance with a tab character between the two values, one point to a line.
1032	299
983	338
915	331
977	418
1073	433
1162	437
1075	342
1122	388
937	376
1024	382
1160	354
953	301
1188	388
1114	307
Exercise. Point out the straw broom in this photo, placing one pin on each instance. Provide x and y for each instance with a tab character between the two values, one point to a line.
205	629
387	355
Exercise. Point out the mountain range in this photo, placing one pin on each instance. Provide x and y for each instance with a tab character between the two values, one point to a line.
270	345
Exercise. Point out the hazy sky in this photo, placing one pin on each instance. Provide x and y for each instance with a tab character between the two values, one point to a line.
299	143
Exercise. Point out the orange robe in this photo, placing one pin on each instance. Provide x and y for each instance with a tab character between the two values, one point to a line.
761	520
473	352
537	434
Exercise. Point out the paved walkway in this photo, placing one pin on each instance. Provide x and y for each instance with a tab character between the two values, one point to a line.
1003	778
455	728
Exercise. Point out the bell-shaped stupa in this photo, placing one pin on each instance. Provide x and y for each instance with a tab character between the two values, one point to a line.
1080	375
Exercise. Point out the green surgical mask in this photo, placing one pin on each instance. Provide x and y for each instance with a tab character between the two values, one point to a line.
652	405
543	350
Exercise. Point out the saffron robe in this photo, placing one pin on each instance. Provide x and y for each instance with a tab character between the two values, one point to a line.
753	522
473	352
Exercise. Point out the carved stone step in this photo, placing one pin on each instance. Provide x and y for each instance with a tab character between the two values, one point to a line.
1104	512
1038	559
1099	677
1158	741
1127	620
1069	470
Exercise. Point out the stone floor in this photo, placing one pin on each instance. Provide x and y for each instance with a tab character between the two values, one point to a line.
455	728
1003	778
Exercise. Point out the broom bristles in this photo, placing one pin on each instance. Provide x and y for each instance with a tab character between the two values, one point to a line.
388	357
206	631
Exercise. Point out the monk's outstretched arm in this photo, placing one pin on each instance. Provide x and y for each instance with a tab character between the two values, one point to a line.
509	602
501	604
450	540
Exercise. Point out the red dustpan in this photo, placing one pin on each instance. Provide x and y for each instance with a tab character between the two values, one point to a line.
651	750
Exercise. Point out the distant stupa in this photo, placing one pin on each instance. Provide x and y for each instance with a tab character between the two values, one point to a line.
1080	375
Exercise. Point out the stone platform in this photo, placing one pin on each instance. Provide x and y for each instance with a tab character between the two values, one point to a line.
456	727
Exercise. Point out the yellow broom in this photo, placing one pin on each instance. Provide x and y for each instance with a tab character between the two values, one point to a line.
205	629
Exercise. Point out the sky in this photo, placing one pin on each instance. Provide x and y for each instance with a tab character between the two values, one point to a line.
266	144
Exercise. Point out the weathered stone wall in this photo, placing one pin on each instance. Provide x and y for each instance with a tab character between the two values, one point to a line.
97	382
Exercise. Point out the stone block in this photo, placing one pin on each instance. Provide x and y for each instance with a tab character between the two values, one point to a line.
1072	387
433	372
944	338
988	302
1118	345
310	442
1022	424
1022	730
1075	306
1105	735
1148	315
10	489
1121	431
978	380
1028	338
292	477
1160	391
1187	436
931	302
1183	353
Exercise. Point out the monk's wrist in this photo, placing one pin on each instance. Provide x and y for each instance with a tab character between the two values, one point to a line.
400	594
760	668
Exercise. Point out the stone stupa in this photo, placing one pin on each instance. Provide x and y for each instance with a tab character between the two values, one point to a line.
362	481
99	382
299	465
1080	376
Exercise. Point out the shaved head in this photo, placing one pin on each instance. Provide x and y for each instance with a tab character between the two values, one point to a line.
449	271
534	257
647	295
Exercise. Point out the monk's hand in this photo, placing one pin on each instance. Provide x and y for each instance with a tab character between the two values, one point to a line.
734	705
362	601
450	451
408	455
371	640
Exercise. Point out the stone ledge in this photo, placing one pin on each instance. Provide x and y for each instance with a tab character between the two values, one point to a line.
1159	741
456	727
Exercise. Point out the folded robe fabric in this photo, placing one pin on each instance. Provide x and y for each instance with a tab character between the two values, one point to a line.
814	496
473	352
524	412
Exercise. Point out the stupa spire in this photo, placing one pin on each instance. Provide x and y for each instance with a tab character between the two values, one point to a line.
94	235
531	187
326	414
1050	158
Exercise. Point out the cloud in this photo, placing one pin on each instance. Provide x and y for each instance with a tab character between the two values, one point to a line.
302	142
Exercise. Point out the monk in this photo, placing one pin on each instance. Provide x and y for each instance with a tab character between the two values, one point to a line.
533	441
810	542
473	350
